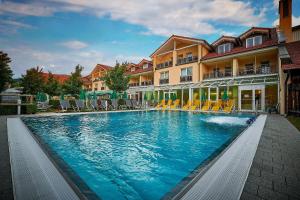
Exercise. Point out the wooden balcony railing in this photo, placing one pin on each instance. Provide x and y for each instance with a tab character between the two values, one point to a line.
163	81
145	83
133	84
186	78
182	61
164	65
217	74
260	69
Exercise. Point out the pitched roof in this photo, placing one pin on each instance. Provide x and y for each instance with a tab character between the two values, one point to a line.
139	67
183	38
273	41
254	30
103	67
61	78
87	79
293	49
224	38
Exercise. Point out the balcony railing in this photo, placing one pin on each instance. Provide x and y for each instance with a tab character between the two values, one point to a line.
145	83
186	78
133	84
261	69
218	74
164	65
163	81
182	61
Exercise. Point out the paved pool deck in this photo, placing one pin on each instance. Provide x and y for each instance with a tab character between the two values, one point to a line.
274	174
275	171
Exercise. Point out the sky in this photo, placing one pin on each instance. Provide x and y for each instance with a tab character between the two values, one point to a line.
59	34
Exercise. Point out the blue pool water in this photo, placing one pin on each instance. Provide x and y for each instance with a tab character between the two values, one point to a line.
135	155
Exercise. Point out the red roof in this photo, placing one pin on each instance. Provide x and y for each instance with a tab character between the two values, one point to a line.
293	49
139	67
61	78
103	67
87	80
273	41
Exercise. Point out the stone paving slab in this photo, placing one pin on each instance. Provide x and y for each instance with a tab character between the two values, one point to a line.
275	171
6	189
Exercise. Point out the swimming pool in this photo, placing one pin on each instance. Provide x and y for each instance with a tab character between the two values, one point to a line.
136	155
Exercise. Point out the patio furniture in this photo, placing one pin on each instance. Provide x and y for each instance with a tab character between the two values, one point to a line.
94	104
187	105
136	104
206	106
175	104
229	107
161	104
65	105
43	106
195	105
128	103
114	104
103	104
79	105
217	106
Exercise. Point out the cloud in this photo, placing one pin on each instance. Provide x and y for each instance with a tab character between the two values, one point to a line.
183	17
15	24
295	21
74	44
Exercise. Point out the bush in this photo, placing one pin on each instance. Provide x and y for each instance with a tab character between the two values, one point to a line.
29	109
8	110
55	104
13	110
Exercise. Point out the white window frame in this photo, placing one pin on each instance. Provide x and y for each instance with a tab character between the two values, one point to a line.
222	48
184	71
145	66
164	75
251	42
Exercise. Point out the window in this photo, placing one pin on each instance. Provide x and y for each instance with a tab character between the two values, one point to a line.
228	71
164	75
102	88
145	66
253	41
223	48
189	55
132	69
186	71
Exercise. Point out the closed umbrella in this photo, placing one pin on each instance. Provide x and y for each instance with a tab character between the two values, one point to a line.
225	95
113	95
174	97
94	96
145	96
125	96
152	96
82	95
203	96
62	97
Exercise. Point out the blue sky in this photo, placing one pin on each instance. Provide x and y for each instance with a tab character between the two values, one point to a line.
59	34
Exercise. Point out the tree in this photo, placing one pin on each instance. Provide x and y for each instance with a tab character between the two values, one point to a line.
74	84
115	79
5	71
33	81
52	86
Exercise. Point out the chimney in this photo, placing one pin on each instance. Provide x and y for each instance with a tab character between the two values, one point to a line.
285	19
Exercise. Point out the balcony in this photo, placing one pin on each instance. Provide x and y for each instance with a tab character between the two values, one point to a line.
186	78
145	83
134	84
163	81
164	65
261	69
182	61
218	74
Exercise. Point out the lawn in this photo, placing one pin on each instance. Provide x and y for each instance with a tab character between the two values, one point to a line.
295	121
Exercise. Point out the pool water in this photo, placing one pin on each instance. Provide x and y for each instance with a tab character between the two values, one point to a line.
135	155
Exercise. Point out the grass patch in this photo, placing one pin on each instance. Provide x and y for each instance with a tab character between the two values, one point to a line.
295	121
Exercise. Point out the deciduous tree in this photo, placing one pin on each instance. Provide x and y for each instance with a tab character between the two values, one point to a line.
5	71
33	81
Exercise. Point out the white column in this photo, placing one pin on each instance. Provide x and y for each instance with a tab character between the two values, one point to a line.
143	93
158	96
217	97
200	94
19	106
190	94
208	94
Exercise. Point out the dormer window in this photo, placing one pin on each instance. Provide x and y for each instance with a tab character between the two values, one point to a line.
223	48
132	69
253	41
145	66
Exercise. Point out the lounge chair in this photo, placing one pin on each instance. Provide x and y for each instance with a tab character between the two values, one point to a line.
65	105
195	105
168	105
229	107
217	106
206	106
128	103
175	104
103	104
187	105
94	104
79	105
161	104
114	104
136	104
43	106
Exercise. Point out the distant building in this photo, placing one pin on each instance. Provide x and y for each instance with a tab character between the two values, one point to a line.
98	72
87	82
61	78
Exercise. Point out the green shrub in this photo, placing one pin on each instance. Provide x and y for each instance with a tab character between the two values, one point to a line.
8	110
29	109
55	104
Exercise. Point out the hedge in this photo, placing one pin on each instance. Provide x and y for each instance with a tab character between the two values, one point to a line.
12	110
